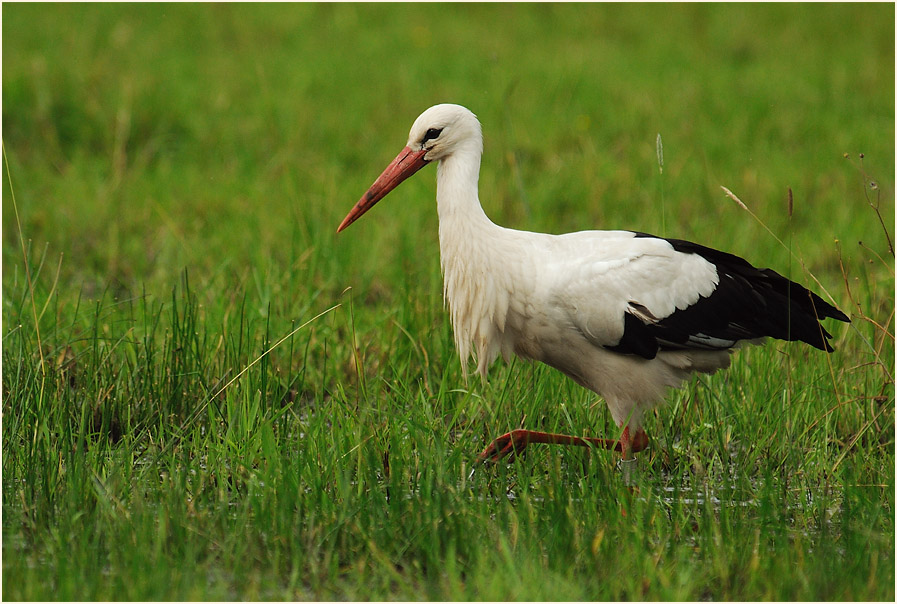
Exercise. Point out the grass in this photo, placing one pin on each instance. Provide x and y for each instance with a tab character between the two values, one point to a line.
174	177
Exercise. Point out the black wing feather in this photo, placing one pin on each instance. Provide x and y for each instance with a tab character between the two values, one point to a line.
747	303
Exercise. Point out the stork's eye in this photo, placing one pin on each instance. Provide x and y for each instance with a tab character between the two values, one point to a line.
431	134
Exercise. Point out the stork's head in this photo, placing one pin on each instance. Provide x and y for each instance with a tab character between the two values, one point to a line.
436	134
442	129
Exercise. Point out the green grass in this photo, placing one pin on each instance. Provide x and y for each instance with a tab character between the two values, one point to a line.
173	181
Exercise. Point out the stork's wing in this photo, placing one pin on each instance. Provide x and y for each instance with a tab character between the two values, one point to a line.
649	293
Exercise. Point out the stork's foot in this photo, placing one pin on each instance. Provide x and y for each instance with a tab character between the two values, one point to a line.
512	443
516	441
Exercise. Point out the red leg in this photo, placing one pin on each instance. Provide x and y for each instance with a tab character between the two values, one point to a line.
635	444
516	441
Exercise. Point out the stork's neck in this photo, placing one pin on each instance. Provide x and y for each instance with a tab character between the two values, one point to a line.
474	273
457	197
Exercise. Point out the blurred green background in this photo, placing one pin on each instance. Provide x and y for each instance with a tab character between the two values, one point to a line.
146	138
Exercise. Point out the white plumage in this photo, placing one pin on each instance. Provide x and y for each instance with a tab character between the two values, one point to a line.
624	314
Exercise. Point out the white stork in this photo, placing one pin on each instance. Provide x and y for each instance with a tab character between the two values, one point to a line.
624	314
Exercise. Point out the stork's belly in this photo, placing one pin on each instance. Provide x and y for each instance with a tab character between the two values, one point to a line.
607	373
629	384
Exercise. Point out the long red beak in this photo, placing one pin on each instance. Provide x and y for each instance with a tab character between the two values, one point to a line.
404	165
